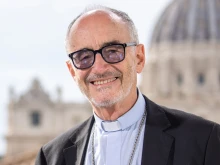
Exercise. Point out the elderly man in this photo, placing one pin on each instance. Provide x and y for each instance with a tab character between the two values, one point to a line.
126	127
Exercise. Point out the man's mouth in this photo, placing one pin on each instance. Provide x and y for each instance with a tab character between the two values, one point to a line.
100	82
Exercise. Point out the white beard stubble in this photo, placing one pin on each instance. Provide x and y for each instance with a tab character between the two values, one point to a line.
121	94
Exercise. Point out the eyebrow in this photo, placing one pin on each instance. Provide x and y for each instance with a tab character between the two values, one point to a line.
102	45
109	43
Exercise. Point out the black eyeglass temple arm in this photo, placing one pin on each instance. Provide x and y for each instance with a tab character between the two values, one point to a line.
130	44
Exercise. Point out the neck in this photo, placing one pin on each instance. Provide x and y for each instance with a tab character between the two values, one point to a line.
113	112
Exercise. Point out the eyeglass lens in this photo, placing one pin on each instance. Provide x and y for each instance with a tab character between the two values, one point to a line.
85	58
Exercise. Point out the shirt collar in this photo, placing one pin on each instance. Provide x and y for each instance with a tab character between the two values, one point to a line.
124	121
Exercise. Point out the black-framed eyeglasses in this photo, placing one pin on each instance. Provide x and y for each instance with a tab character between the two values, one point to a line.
113	53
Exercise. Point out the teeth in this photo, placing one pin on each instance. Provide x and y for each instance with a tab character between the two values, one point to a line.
104	81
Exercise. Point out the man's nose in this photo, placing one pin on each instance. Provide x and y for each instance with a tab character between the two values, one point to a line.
99	63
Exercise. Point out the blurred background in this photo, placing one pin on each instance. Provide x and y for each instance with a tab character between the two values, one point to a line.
182	40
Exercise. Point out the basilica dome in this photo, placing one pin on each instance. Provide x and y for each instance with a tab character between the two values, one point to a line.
189	20
183	62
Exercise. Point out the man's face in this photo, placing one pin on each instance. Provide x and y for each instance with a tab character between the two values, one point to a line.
104	84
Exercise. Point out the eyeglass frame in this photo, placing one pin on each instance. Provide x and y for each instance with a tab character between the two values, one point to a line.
100	52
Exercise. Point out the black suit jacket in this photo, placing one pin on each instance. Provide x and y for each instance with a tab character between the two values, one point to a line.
171	138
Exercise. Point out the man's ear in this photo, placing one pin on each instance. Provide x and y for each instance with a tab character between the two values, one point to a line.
70	67
140	54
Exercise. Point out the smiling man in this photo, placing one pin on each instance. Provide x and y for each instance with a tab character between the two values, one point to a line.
126	127
107	76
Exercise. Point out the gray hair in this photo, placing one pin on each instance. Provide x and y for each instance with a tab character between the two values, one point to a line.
124	16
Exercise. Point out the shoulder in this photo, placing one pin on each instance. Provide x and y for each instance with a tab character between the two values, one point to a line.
194	134
53	151
178	116
67	139
182	121
192	129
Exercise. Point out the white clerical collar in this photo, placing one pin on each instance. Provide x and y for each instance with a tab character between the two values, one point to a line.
125	121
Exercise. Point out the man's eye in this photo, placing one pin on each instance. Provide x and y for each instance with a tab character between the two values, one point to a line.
112	50
85	57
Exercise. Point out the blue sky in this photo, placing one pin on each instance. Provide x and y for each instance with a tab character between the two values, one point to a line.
32	43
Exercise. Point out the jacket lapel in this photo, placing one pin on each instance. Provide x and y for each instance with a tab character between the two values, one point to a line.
75	154
157	143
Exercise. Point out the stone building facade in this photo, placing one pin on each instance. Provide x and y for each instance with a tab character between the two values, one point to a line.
34	119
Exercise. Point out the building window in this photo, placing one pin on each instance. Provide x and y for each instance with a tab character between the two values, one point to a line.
201	79
179	79
35	118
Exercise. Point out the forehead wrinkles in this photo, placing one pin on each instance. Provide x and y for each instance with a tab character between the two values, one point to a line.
98	26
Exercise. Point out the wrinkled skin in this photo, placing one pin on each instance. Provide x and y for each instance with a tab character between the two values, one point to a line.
110	88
